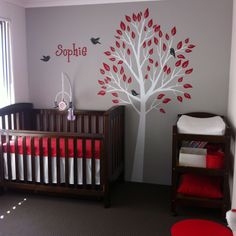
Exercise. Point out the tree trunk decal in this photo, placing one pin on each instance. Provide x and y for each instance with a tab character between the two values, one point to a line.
147	70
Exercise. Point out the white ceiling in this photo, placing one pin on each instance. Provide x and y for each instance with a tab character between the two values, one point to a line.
48	3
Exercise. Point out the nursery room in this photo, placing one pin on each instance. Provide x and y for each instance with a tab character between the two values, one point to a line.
117	117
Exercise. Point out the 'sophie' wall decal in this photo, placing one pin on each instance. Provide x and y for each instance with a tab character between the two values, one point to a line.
73	51
146	69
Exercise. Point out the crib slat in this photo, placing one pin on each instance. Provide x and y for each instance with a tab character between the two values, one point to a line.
89	124
84	161
97	124
1	160
49	160
16	158
41	160
15	121
32	158
9	121
66	162
75	163
93	164
24	158
58	161
3	122
82	124
9	159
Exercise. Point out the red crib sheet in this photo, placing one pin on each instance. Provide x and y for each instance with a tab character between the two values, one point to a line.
80	151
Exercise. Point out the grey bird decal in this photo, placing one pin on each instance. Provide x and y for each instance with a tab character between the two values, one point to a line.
172	52
95	40
134	93
45	58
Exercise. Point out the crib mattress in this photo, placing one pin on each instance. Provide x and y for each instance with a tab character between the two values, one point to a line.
203	126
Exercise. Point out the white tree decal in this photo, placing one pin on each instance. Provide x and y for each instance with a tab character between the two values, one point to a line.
145	69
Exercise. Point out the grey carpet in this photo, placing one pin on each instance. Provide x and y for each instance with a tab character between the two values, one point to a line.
137	210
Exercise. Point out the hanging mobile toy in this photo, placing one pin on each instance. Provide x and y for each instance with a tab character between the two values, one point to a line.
65	101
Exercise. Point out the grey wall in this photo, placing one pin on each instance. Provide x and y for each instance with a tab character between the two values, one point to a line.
206	22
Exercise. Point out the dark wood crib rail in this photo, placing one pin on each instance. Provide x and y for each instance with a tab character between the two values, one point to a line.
106	126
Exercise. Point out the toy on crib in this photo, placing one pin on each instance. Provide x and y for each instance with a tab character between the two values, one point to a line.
231	220
64	96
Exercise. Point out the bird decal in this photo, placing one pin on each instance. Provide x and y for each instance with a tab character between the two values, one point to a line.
134	93
45	58
172	52
95	41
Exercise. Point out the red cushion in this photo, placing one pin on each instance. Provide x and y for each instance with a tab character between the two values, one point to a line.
200	186
197	227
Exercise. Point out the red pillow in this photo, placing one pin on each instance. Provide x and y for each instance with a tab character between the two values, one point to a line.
200	186
215	160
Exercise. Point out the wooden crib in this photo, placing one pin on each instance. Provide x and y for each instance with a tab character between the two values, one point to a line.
41	151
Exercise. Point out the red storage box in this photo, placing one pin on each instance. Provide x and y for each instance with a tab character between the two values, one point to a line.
215	160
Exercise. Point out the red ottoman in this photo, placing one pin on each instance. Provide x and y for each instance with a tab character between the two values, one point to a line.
197	227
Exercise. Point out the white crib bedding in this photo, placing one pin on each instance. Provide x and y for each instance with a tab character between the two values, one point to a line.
54	169
203	126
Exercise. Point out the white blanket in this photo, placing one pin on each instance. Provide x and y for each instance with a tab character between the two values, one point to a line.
204	126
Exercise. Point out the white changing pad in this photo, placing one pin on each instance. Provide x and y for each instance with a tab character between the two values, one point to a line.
205	126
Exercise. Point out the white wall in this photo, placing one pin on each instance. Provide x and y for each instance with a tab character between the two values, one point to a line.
17	16
232	96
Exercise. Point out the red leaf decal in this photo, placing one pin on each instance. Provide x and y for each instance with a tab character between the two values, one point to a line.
168	71
160	33
106	67
108	78
160	96
120	62
102	71
102	93
181	56
167	37
104	87
166	100
164	47
119	32
187	95
179	45
162	110
134	17
133	35
112	49
117	37
191	46
115	101
165	68
121	70
151	60
151	51
106	83
187	86
139	17
146	13
117	44
145	28
114	94
149	42
155	40
101	82
156	64
123	45
189	71
157	28
146	76
178	63
128	18
150	23
124	77
107	53
180	79
128	28
129	80
188	50
128	51
122	25
148	68
186	40
180	98
112	59
144	44
115	69
173	31
185	64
